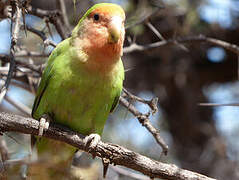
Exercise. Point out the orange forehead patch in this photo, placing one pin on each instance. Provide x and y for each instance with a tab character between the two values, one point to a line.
109	10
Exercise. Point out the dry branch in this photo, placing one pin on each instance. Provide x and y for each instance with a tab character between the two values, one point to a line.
42	35
32	67
151	103
116	154
64	15
144	120
191	39
52	16
3	150
32	54
15	24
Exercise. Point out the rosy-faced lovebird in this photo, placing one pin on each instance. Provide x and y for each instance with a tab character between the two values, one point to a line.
83	79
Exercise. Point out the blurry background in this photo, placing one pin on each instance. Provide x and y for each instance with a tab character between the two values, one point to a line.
201	139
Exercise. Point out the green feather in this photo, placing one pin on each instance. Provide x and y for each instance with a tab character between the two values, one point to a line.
74	97
71	94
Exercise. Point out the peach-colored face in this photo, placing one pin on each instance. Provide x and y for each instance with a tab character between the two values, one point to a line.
104	33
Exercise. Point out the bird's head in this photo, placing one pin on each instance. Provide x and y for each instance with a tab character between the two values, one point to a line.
100	33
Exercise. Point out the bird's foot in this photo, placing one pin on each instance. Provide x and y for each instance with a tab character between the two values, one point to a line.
91	142
44	124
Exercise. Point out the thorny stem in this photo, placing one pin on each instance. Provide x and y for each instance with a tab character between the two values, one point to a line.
190	39
151	103
15	23
144	120
116	154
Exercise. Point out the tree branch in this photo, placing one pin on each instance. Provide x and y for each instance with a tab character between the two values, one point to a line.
20	106
42	35
16	15
64	15
201	38
151	103
24	53
144	120
53	16
32	67
116	154
3	150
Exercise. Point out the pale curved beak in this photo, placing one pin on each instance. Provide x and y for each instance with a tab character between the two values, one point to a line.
115	27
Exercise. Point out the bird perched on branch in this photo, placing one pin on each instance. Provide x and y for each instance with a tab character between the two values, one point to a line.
83	79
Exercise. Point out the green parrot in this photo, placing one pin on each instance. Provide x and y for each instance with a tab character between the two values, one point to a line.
83	79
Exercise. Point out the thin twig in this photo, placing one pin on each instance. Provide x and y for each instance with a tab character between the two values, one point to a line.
32	54
42	35
41	13
3	149
154	30
218	104
201	38
64	14
20	106
144	120
4	156
116	154
151	103
53	16
16	20
34	68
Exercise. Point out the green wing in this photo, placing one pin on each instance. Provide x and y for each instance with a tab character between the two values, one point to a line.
42	87
47	74
116	99
115	103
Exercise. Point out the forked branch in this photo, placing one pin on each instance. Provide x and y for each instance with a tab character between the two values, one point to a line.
116	154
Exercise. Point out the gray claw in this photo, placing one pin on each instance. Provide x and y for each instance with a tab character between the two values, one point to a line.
92	141
43	124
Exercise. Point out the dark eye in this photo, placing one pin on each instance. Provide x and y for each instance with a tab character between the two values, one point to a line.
96	17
